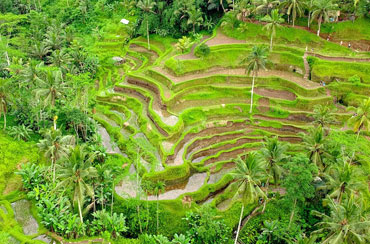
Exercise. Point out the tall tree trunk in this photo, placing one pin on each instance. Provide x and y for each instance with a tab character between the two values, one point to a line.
250	110
271	42
240	222
4	121
309	19
147	32
318	31
79	210
292	214
7	58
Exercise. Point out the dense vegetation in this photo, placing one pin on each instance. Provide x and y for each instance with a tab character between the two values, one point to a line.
213	121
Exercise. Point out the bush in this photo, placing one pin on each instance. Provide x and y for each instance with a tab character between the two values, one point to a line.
204	227
202	50
354	79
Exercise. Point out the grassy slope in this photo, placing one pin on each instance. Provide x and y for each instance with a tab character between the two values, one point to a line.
301	38
12	155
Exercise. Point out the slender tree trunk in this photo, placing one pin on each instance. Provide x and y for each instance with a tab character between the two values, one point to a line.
157	213
240	222
254	76
318	31
7	58
79	210
4	121
271	42
292	214
358	135
147	32
266	192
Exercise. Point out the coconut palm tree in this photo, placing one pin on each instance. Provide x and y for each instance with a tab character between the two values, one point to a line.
322	10
60	58
158	188
273	153
323	115
30	74
361	119
248	176
195	18
343	178
264	6
314	142
256	61
274	22
55	145
4	98
75	172
293	8
147	6
51	87
346	223
40	50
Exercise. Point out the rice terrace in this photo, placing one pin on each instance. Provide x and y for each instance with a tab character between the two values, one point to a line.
184	121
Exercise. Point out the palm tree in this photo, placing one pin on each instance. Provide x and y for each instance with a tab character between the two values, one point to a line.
60	58
269	228
51	87
248	176
30	73
322	10
314	142
4	99
195	18
323	115
40	50
55	145
147	6
346	223
361	119
273	154
229	20
294	8
274	22
55	36
264	6
75	172
256	61
309	7
343	178
158	188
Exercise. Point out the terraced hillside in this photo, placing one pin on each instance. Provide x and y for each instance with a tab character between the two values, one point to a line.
190	117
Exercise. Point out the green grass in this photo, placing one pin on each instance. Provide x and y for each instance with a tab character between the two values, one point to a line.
329	70
346	30
13	154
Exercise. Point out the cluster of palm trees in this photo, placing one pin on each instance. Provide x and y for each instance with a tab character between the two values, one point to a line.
73	168
320	10
339	178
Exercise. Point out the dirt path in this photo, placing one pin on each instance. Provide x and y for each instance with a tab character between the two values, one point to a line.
338	59
221	39
222	71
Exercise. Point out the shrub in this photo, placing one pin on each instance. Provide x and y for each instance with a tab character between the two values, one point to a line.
205	228
354	79
202	50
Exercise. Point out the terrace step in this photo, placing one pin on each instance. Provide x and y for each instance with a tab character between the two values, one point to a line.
306	66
